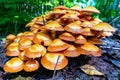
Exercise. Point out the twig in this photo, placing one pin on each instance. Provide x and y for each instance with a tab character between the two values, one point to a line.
108	47
55	68
43	19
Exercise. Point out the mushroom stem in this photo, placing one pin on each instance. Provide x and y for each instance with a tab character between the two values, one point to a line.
55	68
53	34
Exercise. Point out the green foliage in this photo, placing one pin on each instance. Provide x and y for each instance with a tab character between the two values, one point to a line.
14	14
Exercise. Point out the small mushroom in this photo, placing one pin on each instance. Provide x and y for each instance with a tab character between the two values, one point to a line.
87	32
42	37
80	39
90	9
50	60
13	65
102	26
24	43
74	27
54	26
95	40
9	38
31	65
35	51
57	45
12	49
87	24
67	37
71	51
89	49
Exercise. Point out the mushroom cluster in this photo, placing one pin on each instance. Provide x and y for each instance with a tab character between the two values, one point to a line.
61	33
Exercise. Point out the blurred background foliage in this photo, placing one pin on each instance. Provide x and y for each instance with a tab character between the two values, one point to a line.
14	14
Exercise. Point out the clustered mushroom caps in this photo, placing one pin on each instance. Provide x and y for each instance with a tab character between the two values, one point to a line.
63	32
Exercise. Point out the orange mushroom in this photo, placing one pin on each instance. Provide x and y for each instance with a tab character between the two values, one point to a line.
67	37
49	61
42	37
71	51
12	49
89	49
31	65
102	26
80	39
24	43
87	32
74	27
13	65
57	45
35	51
90	9
54	26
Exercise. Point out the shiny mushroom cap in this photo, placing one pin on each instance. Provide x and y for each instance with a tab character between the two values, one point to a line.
54	25
71	51
67	37
49	61
42	37
102	26
57	45
91	9
80	39
13	65
35	51
31	65
89	49
88	32
74	27
12	49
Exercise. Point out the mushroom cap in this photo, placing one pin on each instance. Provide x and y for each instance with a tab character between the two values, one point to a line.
67	37
24	43
76	8
87	24
31	65
106	34
70	17
74	27
102	26
50	59
87	32
28	35
89	49
35	51
12	49
71	51
91	9
42	37
95	40
54	25
13	65
80	39
10	37
57	45
61	7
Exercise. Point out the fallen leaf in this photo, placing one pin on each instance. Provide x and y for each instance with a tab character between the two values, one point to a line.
90	70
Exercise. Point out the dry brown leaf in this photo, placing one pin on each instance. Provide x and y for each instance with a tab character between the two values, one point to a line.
90	70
